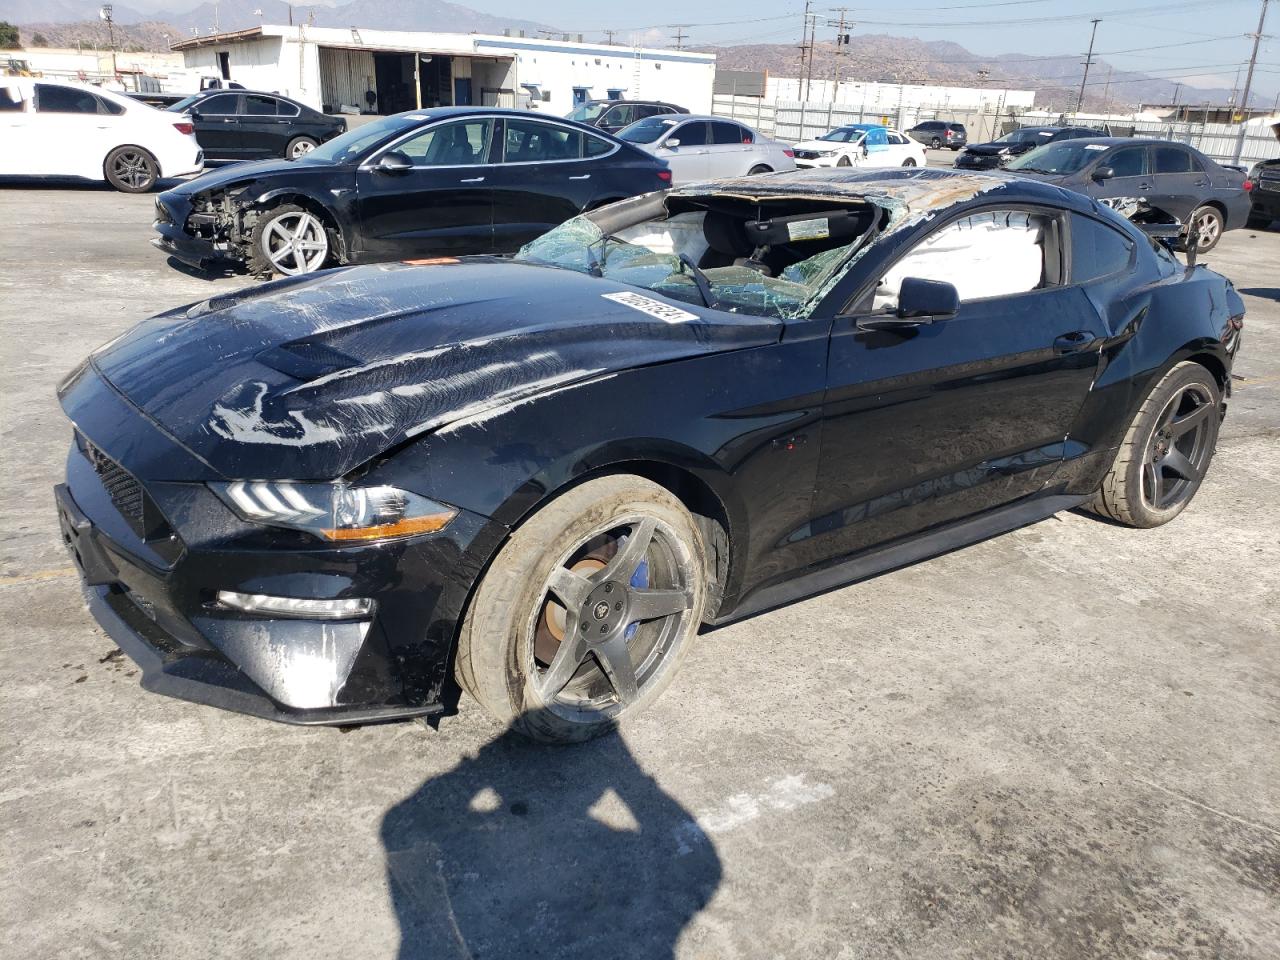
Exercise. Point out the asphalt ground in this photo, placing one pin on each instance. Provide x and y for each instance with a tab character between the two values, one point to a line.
1059	743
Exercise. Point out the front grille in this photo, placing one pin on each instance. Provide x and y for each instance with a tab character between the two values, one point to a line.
806	155
125	492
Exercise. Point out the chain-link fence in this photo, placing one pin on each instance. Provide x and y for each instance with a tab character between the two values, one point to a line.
793	121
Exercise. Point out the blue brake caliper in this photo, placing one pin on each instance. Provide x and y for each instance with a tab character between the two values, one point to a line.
639	580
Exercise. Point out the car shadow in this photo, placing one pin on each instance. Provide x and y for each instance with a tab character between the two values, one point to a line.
208	274
75	183
1264	293
527	850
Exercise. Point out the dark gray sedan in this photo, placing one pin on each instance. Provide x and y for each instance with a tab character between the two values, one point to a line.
1129	174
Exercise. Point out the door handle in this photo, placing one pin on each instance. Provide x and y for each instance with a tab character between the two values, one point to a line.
585	176
472	180
228	119
1202	183
1144	186
1074	342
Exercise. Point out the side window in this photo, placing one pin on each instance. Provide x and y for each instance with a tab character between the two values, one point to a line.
53	99
10	100
748	136
286	109
897	139
622	115
450	144
595	146
726	133
692	134
530	141
223	105
1097	250
1128	162
998	253
1172	160
256	105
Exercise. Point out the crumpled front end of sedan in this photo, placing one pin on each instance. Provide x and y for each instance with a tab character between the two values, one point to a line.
260	598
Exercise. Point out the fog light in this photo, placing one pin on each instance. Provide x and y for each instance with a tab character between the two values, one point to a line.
348	609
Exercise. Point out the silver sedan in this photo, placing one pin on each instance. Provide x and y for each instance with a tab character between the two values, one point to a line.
708	148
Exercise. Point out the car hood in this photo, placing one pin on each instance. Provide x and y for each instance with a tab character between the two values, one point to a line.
821	145
308	378
1013	149
234	173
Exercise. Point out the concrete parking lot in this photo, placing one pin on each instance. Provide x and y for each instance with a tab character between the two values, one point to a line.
1062	742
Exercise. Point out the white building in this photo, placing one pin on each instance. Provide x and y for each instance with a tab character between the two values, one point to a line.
891	98
383	71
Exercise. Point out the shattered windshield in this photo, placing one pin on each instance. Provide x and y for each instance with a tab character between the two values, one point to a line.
776	267
1065	156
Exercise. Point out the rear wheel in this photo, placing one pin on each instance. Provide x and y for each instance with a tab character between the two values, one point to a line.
1204	228
935	144
289	240
299	147
1166	452
909	162
587	612
758	169
131	169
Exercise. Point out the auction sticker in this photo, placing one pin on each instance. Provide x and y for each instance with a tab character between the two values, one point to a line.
655	308
817	229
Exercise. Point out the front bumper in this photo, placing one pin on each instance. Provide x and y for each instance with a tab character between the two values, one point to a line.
153	555
813	163
977	161
172	211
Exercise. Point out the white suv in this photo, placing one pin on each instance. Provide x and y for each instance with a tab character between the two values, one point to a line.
53	128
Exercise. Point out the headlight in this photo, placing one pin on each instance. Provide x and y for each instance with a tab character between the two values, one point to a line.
335	511
827	153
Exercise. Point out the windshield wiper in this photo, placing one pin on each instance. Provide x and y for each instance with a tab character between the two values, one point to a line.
596	265
700	279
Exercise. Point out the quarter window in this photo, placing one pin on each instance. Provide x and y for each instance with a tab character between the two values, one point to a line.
529	141
595	146
451	144
998	253
1097	250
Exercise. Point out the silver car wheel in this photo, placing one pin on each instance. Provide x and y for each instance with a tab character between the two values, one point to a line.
295	243
300	148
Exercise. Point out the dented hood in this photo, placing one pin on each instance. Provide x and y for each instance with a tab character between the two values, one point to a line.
308	378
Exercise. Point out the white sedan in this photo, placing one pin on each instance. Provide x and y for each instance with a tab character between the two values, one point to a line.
52	128
864	145
707	148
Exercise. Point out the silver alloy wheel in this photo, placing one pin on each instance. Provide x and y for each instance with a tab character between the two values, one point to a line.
132	167
295	243
300	148
1207	227
618	633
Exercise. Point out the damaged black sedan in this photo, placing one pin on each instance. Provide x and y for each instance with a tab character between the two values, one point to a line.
447	181
341	498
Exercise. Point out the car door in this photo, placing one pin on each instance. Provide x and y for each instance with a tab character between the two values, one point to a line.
263	132
1180	183
540	182
16	129
72	130
217	123
899	150
1130	181
729	152
688	159
440	203
924	425
875	147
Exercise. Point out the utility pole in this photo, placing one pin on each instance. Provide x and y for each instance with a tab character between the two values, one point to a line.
1106	93
806	53
1177	89
843	39
1248	82
680	34
1088	62
609	36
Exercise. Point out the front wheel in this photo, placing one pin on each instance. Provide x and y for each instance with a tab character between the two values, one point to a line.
909	162
1166	451
299	147
759	168
935	144
844	162
587	611
131	169
289	240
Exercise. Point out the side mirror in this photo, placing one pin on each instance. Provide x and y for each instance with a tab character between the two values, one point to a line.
927	300
1103	173
193	113
672	144
393	161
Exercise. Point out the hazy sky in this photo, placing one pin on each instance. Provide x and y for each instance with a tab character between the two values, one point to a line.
1210	34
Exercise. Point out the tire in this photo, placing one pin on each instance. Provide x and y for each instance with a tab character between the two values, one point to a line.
844	162
131	169
909	162
1207	224
300	147
508	654
1143	460
758	169
935	144
271	233
957	149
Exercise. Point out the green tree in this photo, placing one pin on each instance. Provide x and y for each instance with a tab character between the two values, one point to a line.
9	36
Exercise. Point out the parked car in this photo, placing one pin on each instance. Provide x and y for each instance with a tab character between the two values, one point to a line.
448	180
52	128
1131	173
865	145
613	115
937	134
986	156
707	148
231	125
1263	185
323	500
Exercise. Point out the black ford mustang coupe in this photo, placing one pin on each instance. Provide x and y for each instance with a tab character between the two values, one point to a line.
326	499
453	180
